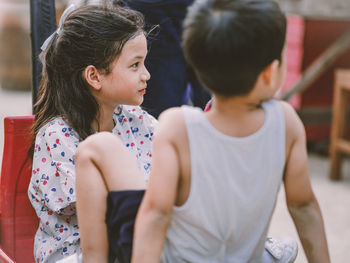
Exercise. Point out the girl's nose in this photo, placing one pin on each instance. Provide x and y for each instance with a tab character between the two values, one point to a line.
145	75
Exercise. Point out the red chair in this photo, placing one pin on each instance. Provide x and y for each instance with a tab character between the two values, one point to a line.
4	258
18	220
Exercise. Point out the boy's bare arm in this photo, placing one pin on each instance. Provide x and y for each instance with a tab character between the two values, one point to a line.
155	212
301	201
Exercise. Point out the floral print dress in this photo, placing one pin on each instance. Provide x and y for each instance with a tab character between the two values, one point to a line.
52	186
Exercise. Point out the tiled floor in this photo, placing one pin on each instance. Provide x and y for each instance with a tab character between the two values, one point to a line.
334	197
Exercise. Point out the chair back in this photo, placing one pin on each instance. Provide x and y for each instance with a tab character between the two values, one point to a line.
18	222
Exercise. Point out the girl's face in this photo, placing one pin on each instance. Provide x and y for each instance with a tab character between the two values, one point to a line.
126	82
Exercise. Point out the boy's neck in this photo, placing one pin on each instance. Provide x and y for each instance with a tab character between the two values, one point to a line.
236	105
236	116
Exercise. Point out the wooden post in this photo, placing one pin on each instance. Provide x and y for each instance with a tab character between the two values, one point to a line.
339	144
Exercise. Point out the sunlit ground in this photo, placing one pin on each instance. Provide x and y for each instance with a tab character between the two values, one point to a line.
334	200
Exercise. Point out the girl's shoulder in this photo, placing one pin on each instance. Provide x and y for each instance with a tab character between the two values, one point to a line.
58	126
55	124
131	110
134	113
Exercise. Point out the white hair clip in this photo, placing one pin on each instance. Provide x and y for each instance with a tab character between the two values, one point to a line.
66	12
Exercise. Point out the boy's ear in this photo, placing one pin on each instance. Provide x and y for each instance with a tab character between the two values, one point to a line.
92	77
270	73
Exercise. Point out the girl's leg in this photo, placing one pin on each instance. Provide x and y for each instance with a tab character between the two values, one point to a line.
103	164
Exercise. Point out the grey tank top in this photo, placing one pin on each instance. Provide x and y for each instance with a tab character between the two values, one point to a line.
234	186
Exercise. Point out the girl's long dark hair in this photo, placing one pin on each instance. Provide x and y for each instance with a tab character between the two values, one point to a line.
91	35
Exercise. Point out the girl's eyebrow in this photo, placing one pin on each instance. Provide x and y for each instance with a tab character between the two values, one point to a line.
136	58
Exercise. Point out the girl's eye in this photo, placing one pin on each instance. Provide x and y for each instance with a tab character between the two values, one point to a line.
135	65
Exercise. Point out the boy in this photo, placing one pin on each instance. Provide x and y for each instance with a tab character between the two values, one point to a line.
216	175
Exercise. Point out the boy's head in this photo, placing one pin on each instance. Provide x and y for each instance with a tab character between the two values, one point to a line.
230	42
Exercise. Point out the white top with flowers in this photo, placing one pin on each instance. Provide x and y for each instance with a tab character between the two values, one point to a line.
52	186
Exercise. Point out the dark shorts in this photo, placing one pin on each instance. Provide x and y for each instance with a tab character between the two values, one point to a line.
122	207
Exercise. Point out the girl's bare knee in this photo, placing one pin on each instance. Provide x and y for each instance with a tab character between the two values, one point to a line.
103	140
97	142
83	154
98	145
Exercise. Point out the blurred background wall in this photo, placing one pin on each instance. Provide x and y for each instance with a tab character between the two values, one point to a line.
14	45
324	22
317	8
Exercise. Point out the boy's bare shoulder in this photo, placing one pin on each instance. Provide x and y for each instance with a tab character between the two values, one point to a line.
172	117
294	125
172	122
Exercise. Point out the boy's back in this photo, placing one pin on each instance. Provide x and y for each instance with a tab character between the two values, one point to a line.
233	181
226	187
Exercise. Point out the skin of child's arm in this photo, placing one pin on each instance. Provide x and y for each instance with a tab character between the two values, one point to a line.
301	201
155	211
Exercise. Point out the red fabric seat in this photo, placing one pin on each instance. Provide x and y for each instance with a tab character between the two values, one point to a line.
4	258
18	222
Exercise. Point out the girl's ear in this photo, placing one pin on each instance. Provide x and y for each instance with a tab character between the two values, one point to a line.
92	77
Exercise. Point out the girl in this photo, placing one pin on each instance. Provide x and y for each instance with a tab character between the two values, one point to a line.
93	67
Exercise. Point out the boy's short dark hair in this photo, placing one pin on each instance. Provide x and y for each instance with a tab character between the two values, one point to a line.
230	42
